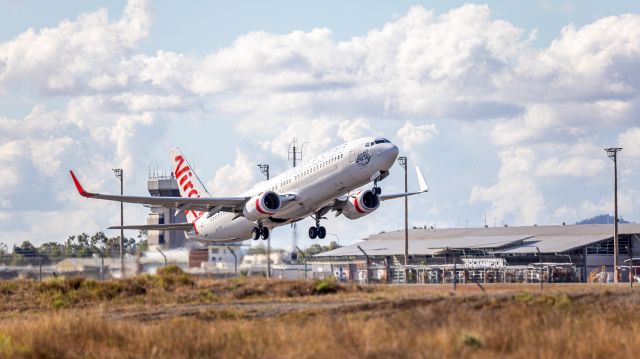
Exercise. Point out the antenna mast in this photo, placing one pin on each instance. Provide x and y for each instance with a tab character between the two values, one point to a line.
295	153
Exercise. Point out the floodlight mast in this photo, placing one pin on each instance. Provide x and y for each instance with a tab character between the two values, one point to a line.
612	153
402	161
265	171
119	173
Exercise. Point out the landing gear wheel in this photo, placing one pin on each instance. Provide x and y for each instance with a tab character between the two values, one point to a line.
322	232
264	233
255	232
313	232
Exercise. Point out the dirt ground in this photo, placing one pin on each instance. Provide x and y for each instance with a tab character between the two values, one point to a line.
186	317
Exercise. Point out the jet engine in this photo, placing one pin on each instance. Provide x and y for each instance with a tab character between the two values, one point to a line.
360	204
261	206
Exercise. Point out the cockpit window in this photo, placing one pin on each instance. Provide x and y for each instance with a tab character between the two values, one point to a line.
379	141
367	145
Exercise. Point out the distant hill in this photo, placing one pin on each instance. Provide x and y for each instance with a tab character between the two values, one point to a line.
601	219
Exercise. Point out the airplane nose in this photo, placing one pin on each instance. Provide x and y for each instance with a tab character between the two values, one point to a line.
390	154
395	151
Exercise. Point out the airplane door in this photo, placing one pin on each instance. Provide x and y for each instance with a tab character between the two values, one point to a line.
352	155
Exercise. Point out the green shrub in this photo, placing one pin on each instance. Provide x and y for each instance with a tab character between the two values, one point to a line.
471	340
8	288
326	286
171	276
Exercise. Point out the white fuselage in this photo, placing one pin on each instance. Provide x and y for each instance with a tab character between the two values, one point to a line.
315	183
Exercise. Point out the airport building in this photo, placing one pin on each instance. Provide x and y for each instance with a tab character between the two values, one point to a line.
574	253
164	186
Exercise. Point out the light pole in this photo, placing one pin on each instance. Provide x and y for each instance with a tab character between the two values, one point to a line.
119	174
402	161
264	169
612	152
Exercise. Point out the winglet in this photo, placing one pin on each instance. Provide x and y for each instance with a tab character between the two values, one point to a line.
81	190
421	181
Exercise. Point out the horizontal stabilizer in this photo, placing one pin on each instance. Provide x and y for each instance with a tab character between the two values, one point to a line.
158	227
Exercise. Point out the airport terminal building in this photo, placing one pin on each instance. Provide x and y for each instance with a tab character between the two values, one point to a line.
573	253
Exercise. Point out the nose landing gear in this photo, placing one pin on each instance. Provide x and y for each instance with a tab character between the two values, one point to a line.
376	190
317	231
260	231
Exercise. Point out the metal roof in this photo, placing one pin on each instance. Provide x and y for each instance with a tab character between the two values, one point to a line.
581	229
390	247
553	244
499	240
381	248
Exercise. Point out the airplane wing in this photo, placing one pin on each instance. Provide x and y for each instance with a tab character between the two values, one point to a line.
421	182
158	227
340	202
227	204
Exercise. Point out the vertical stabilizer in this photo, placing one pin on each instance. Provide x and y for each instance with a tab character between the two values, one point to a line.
188	182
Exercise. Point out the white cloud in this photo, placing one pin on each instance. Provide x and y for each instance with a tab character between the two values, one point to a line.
411	135
630	142
459	67
232	179
350	130
572	166
516	196
75	56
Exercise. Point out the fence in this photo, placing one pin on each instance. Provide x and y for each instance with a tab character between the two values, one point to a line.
41	266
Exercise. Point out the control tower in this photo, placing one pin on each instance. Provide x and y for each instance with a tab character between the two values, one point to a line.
164	186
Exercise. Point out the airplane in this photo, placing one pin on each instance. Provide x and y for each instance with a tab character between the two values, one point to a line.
326	183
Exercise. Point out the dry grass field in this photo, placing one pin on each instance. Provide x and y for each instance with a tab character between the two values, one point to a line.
173	315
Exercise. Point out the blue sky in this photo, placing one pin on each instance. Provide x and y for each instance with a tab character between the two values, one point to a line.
506	106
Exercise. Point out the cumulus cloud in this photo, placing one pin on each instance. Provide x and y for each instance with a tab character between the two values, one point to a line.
461	69
350	130
75	56
411	135
232	179
630	142
515	196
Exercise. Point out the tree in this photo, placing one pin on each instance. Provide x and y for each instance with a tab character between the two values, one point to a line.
317	248
26	249
51	249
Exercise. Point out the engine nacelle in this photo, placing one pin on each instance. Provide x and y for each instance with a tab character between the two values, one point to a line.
360	204
261	206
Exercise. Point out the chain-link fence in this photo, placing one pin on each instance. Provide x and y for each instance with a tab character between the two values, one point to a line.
41	266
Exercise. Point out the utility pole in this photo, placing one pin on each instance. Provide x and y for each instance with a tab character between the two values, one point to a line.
612	152
264	169
402	161
294	155
119	174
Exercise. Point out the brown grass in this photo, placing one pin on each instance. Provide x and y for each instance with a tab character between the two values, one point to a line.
354	322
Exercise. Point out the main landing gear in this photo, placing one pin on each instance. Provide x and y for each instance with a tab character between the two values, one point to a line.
317	231
260	231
